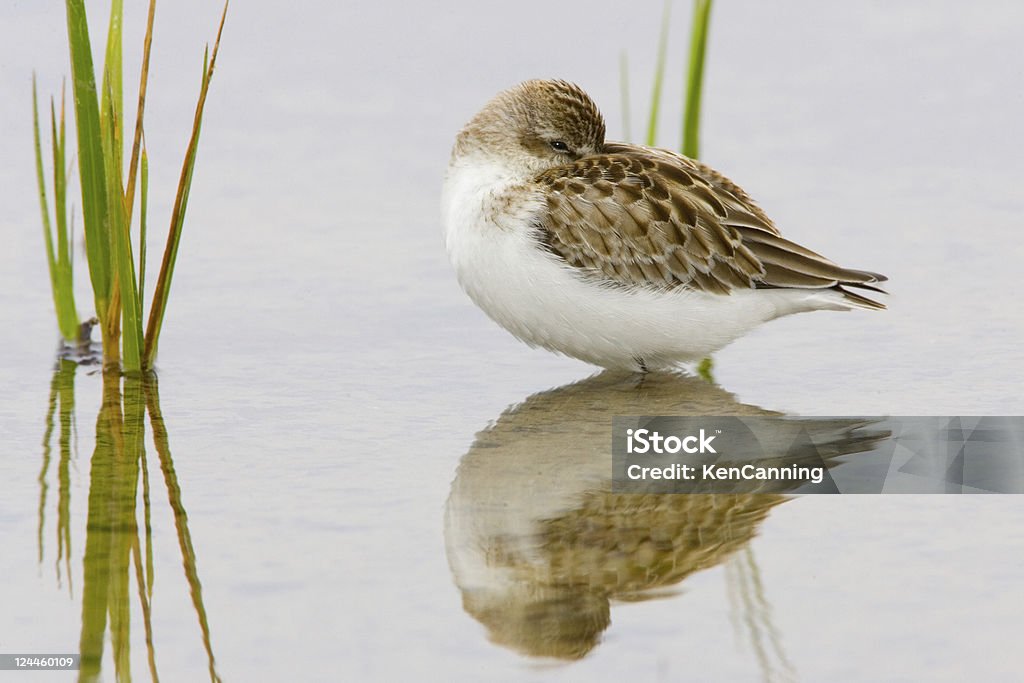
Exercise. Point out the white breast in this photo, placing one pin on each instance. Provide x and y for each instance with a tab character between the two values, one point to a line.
488	219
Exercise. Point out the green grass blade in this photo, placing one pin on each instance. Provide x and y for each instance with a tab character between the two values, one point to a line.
139	110
113	79
143	203
695	78
163	282
111	137
44	204
124	302
58	261
659	75
124	265
627	133
92	175
67	312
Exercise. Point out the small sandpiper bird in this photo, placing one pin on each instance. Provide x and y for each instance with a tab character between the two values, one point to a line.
624	256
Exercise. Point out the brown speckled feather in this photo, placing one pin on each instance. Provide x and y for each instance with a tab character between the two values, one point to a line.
648	217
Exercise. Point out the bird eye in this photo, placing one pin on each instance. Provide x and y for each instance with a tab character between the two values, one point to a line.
559	146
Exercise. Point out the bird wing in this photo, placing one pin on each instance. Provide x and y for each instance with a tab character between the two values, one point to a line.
642	216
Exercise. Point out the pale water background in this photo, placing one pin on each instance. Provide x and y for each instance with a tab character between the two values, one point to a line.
322	376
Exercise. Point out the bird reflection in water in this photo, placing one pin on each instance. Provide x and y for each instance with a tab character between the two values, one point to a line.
539	546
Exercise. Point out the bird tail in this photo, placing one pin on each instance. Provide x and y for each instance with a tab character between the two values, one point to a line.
855	300
862	279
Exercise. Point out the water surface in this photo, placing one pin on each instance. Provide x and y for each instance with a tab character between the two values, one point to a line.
326	470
